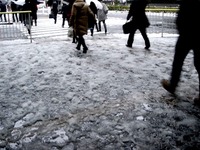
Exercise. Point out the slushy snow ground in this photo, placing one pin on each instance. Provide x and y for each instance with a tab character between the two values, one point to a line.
53	97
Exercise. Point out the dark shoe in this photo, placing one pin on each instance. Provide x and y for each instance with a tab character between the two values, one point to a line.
29	31
78	48
147	47
166	85
197	101
128	46
85	50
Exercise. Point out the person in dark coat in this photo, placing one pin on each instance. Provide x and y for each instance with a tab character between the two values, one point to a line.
14	7
55	10
93	22
27	16
64	12
34	10
188	26
3	9
139	21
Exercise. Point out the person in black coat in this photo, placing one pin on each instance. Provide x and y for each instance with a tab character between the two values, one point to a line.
34	10
14	7
64	11
26	18
55	10
188	26
93	22
139	21
3	9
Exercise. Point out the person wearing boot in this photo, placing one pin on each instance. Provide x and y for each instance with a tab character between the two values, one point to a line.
188	26
34	10
93	23
102	16
55	10
79	20
139	21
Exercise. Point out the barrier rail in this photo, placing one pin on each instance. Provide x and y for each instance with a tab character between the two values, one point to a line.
15	25
162	21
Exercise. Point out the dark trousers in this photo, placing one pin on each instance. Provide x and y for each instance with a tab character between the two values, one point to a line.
81	41
55	17
104	24
2	17
183	46
63	22
144	35
15	17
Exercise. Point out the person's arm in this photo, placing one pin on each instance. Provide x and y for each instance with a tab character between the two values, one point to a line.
130	13
71	20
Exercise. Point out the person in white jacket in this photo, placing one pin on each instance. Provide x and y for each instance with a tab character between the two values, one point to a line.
102	16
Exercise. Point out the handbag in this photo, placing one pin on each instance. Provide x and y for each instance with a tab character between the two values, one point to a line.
50	16
127	27
70	32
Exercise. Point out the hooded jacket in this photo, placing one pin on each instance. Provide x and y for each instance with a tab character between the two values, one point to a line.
79	17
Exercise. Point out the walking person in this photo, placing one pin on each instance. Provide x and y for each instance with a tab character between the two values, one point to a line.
188	26
26	16
3	8
64	14
102	16
139	21
79	21
55	10
93	22
34	10
14	7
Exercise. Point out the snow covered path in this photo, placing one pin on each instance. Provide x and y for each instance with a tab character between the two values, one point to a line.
53	97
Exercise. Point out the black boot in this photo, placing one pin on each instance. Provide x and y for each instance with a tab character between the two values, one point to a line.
85	50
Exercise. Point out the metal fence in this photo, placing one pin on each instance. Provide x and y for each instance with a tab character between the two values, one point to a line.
162	21
14	25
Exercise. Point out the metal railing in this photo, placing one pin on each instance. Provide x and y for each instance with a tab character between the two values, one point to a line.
14	25
162	21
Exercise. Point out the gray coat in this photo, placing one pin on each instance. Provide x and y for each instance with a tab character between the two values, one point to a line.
102	13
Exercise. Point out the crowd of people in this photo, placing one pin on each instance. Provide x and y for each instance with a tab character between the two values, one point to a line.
83	17
29	5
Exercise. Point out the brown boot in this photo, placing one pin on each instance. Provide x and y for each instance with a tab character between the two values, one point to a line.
166	85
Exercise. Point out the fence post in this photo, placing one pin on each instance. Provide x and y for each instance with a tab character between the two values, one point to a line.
162	24
29	24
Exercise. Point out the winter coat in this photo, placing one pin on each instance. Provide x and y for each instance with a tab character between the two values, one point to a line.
79	17
14	6
2	7
102	13
55	7
188	23
26	7
64	10
34	9
91	21
137	12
